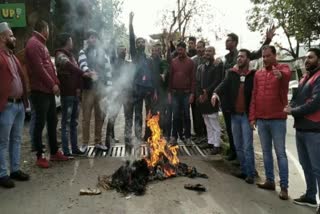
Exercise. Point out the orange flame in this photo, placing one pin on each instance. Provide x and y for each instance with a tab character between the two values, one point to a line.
159	147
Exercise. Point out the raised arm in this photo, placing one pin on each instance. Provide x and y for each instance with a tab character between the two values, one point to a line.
133	50
269	35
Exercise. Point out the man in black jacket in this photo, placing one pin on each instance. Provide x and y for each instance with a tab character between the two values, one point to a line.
143	82
305	108
237	88
209	76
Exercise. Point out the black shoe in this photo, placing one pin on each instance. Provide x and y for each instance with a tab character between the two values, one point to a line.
19	176
78	153
216	150
249	180
231	157
239	175
6	182
303	200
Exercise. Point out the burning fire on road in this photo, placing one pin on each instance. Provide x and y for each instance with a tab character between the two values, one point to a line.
162	163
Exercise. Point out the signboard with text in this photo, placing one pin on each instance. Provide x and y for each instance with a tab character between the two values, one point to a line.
14	14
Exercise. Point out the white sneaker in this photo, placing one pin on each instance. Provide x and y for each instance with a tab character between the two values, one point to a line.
101	147
83	148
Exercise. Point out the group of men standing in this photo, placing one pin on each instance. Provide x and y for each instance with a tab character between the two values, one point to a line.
248	98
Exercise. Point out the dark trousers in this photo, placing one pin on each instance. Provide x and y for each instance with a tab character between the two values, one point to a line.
198	122
167	121
227	121
45	109
151	107
129	108
181	112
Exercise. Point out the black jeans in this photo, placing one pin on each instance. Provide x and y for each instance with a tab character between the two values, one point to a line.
227	121
45	112
152	107
181	112
129	108
198	123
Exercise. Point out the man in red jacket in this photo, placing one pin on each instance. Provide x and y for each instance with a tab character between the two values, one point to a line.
181	91
44	86
269	97
13	100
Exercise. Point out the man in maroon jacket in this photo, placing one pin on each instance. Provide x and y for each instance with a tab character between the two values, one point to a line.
13	101
44	86
269	97
70	77
181	91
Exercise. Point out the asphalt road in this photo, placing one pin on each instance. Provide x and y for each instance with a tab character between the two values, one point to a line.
56	190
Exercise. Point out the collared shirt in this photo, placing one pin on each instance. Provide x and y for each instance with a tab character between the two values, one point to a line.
16	84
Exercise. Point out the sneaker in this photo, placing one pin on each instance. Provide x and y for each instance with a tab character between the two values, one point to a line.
101	147
42	163
84	148
249	180
215	150
6	182
58	157
78	152
304	201
19	176
268	185
283	195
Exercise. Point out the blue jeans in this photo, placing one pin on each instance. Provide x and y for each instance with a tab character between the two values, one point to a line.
69	122
11	128
181	112
308	146
274	131
243	141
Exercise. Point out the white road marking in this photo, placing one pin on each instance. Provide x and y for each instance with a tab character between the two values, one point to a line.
296	163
